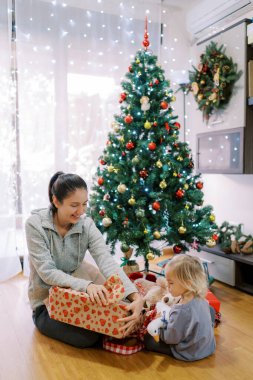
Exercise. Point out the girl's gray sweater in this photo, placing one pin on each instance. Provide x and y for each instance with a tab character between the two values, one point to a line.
54	258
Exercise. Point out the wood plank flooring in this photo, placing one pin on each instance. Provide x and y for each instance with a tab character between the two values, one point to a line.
25	354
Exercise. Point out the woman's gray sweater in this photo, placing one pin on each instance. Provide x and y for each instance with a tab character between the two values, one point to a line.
54	258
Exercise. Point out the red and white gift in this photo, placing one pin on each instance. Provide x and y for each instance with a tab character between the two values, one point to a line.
75	308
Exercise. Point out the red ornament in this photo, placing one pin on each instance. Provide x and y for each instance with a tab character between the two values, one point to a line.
191	165
130	145
199	185
128	119
167	127
155	124
130	69
100	181
205	68
123	154
177	125
123	96
145	43
108	142
164	105
125	222
102	212
156	81
152	146
102	162
143	173
150	84
177	249
180	193
156	206
175	145
215	237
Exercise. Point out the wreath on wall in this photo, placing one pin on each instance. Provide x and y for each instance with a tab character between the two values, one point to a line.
213	80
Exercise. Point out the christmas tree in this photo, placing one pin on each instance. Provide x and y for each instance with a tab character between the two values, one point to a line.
144	190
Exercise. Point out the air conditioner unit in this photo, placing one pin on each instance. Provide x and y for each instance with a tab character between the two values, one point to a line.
208	15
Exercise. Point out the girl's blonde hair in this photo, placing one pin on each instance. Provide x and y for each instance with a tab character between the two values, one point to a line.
190	273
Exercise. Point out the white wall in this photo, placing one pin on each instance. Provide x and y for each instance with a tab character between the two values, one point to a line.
230	195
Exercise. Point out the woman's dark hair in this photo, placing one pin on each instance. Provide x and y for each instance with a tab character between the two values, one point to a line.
62	185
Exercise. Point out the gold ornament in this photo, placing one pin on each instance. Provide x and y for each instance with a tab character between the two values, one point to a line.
212	217
202	82
213	96
110	168
121	188
157	235
150	256
173	99
159	164
182	230
195	88
147	125
115	126
137	61
211	243
186	186
106	222
200	97
116	170
139	73
175	174
163	184
180	158
132	201
145	231
135	160
121	139
186	207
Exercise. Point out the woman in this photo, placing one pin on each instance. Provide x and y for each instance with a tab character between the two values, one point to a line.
57	240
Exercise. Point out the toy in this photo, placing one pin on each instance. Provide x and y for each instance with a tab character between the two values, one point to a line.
163	311
169	300
156	292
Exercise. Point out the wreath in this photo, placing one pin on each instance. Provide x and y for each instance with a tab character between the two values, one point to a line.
213	80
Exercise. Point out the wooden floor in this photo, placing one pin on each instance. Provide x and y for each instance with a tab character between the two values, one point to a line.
27	355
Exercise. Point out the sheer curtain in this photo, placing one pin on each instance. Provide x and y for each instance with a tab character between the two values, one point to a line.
71	56
9	260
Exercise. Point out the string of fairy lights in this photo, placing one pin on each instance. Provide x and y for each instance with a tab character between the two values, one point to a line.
70	62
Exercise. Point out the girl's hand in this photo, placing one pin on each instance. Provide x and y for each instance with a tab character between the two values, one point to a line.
98	294
135	307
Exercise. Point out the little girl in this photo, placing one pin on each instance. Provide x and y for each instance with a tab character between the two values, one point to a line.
188	334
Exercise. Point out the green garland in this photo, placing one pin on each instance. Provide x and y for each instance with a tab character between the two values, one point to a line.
213	80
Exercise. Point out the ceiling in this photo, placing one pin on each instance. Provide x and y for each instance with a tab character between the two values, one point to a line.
181	4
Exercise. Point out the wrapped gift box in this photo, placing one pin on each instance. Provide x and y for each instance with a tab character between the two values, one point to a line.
213	301
76	308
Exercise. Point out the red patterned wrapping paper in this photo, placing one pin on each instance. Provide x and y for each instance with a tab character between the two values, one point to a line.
76	308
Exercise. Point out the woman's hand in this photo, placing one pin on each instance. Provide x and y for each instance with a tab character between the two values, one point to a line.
98	294
135	307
